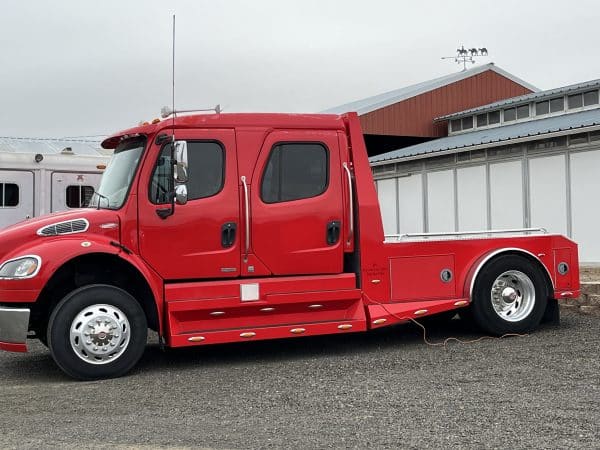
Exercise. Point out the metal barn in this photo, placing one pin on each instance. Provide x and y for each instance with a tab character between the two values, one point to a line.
528	161
405	116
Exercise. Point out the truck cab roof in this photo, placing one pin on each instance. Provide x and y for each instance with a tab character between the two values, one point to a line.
267	120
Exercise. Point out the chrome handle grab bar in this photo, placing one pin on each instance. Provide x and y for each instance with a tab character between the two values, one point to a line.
247	218
351	215
467	233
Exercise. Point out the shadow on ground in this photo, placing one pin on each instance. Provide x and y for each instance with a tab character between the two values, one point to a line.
38	366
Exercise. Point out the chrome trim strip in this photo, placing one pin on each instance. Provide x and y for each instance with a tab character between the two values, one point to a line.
14	323
87	225
467	233
351	211
247	218
39	266
496	253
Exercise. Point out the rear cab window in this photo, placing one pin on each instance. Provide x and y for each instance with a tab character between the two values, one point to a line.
295	171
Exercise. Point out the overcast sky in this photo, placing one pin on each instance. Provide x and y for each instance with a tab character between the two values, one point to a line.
73	68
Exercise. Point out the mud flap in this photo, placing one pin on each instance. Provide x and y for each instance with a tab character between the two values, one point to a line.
552	313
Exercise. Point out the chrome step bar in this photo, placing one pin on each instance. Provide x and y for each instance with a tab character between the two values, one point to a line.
479	233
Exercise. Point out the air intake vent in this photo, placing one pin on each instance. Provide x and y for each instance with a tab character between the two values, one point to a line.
68	227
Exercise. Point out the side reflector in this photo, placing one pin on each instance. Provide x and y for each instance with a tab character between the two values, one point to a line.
461	303
420	312
248	334
196	339
345	326
298	330
379	321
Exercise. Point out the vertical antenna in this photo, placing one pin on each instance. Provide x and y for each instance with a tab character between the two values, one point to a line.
173	87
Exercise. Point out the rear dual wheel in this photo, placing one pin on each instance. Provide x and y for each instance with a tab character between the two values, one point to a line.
509	295
97	331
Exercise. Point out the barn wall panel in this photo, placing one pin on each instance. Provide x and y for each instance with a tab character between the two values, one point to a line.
414	116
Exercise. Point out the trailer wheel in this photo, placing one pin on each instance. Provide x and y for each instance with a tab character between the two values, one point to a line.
97	331
509	296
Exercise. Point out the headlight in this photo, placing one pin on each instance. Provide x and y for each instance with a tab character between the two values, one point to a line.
23	267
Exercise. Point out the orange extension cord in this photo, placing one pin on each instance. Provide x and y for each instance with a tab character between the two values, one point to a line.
445	341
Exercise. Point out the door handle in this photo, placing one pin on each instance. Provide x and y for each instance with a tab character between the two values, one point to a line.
228	234
333	232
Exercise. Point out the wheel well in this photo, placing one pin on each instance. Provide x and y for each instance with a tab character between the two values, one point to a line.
95	268
524	254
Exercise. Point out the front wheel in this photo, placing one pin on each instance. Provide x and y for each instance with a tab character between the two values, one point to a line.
97	331
509	295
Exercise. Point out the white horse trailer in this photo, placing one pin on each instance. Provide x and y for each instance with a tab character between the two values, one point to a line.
42	176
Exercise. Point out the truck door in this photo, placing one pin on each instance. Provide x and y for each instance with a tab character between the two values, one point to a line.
200	240
16	196
296	206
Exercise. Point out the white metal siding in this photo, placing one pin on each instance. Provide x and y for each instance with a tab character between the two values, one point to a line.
410	204
585	192
506	195
386	191
471	198
548	193
440	200
557	189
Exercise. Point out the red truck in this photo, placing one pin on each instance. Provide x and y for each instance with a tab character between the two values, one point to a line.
222	228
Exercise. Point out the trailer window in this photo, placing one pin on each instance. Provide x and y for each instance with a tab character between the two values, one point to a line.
206	172
79	196
9	195
295	171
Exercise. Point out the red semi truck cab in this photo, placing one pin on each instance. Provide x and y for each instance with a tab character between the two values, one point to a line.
235	227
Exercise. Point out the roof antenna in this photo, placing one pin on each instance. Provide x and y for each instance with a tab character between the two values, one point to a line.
173	90
165	111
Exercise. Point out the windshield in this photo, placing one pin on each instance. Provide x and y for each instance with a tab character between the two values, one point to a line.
116	180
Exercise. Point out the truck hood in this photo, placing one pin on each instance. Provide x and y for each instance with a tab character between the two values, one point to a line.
18	237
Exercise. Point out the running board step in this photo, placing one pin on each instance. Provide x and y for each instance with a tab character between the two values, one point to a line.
276	332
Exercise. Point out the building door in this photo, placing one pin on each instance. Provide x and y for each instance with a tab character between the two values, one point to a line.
296	206
200	239
16	196
72	190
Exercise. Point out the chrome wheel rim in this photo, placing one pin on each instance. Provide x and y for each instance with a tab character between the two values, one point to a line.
513	296
99	334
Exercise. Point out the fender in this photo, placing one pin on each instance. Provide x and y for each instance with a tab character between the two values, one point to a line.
57	252
483	259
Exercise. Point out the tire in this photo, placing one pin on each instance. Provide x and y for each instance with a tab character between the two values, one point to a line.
97	331
509	296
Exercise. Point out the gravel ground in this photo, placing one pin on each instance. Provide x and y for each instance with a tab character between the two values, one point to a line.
381	389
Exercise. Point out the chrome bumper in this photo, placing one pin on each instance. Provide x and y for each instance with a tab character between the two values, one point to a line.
14	323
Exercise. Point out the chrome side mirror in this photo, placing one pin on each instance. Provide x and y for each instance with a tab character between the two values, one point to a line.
180	172
181	196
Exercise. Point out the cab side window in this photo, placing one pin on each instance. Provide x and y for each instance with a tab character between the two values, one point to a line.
162	178
294	171
206	172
